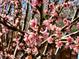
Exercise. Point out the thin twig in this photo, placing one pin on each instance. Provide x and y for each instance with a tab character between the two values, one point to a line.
44	52
15	51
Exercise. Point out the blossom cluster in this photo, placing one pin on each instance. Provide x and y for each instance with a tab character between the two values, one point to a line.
53	27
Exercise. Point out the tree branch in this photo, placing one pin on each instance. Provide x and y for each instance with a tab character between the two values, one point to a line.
11	27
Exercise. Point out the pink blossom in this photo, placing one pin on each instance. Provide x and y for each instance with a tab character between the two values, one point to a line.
16	11
69	39
46	23
55	14
77	39
50	20
67	45
65	4
21	45
32	39
53	27
26	37
35	3
50	40
46	11
28	50
76	49
45	33
34	51
14	44
52	7
66	21
58	32
59	44
4	30
33	23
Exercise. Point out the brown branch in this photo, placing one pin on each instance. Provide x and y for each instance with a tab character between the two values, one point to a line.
15	51
9	9
11	27
26	16
44	52
72	23
73	34
74	20
41	16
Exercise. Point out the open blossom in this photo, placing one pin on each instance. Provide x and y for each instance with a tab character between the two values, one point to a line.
72	46
52	7
76	49
34	50
59	44
50	40
28	50
32	39
46	11
33	22
67	45
47	23
69	39
55	14
67	4
35	3
45	33
53	27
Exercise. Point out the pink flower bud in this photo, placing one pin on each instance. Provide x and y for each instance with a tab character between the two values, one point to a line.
77	26
66	21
